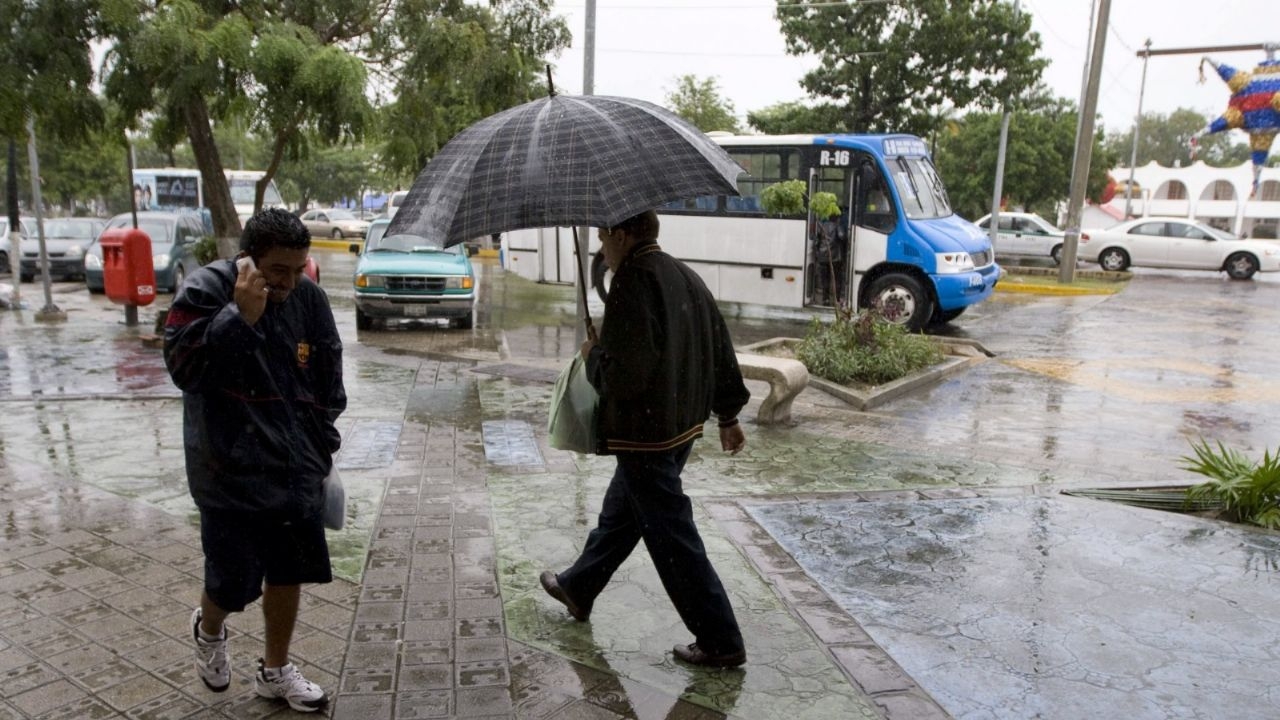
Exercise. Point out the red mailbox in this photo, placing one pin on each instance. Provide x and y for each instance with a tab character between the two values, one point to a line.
127	271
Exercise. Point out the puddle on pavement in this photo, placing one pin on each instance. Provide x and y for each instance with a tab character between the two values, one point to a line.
1051	607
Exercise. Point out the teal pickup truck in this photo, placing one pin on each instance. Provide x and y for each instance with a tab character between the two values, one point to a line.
407	277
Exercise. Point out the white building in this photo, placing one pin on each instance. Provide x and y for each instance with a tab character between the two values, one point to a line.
1216	196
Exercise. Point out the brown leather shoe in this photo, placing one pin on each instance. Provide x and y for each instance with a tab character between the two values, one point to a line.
695	655
552	586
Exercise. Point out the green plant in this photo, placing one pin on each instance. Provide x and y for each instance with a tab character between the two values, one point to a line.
1248	491
824	205
864	349
205	250
784	198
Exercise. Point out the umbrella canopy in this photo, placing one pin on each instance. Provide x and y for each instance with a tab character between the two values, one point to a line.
562	160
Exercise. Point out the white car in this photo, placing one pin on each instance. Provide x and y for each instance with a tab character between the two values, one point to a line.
1178	242
335	223
1025	234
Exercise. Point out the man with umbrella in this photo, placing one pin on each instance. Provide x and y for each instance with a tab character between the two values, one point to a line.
664	362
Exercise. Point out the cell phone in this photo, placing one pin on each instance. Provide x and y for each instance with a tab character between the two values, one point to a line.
246	260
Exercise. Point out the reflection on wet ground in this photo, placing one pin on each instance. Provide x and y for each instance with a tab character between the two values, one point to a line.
1052	607
1084	390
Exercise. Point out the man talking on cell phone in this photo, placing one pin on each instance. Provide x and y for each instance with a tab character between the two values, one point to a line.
253	346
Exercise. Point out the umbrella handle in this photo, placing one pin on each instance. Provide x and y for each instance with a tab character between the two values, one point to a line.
582	281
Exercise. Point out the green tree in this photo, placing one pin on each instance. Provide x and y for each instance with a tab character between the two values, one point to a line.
284	68
787	118
699	102
1166	139
1038	159
46	70
450	63
890	66
328	174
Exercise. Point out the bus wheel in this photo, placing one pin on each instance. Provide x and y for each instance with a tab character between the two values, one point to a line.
901	300
601	276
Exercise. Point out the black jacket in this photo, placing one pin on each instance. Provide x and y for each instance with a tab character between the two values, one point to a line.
665	361
259	402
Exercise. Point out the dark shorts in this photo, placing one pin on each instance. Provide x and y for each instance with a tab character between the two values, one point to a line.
242	551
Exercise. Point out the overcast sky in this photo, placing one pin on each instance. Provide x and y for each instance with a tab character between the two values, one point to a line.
642	46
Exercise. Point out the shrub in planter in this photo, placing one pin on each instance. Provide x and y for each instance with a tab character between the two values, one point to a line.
1248	491
865	349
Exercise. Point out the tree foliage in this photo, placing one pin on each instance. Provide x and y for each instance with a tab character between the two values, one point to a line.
1037	171
452	62
1166	139
897	66
699	102
788	118
46	68
328	174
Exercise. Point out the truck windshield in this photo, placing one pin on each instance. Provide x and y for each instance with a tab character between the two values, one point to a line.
920	188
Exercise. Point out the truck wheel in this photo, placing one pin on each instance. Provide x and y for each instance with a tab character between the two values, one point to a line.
363	322
1056	254
465	323
901	300
601	276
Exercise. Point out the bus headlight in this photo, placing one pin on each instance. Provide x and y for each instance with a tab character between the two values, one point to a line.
370	281
953	262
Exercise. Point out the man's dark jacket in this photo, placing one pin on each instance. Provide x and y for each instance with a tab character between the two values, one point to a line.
259	401
665	361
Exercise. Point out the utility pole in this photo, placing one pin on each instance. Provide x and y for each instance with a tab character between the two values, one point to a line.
1137	127
993	224
1084	146
583	239
49	312
15	233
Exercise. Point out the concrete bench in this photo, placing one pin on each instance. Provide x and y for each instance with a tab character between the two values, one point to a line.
786	379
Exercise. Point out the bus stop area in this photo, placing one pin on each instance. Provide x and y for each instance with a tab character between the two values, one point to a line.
918	560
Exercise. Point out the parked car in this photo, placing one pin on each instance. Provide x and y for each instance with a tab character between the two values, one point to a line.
1025	234
173	237
65	242
1177	242
335	223
23	224
405	276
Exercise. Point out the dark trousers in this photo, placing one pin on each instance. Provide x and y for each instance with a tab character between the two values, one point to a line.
645	500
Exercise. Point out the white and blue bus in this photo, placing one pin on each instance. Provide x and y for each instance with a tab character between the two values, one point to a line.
170	188
897	244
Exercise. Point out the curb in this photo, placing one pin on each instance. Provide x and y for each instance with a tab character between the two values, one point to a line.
1014	287
337	244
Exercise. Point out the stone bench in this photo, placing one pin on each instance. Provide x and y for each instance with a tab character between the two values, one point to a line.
786	379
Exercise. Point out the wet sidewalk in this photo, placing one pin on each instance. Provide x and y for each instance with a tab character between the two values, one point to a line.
911	562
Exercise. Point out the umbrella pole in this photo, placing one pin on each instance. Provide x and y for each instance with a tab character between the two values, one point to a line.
582	282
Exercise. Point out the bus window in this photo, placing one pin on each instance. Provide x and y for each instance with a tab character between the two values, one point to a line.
764	168
919	187
875	211
244	189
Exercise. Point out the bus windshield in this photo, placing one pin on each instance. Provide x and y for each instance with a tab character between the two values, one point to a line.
919	187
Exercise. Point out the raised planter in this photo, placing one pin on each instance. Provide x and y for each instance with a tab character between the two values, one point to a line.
959	355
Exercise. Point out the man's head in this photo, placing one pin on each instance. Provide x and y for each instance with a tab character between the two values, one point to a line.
618	241
279	244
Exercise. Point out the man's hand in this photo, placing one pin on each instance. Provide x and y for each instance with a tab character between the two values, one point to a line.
251	294
732	439
590	342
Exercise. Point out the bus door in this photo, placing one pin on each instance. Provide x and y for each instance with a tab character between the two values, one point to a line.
872	222
828	254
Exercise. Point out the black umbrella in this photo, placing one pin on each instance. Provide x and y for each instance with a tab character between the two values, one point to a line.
562	160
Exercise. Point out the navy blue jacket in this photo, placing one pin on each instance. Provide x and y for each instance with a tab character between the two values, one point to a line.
665	360
259	402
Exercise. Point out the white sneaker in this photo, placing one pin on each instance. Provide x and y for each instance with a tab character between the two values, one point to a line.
213	665
287	683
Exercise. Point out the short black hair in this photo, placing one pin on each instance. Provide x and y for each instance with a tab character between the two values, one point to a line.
274	227
643	226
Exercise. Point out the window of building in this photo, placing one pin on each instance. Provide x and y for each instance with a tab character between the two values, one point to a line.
1172	190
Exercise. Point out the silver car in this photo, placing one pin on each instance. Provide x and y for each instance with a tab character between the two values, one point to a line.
335	223
65	240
